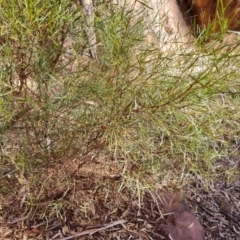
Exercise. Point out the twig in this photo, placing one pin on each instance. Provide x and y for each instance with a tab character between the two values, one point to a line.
94	230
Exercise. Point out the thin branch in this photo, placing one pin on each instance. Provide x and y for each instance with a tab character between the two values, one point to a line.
94	230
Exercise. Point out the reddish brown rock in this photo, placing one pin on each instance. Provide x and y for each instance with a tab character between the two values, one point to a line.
214	11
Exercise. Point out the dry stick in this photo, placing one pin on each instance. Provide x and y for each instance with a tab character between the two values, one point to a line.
89	27
94	230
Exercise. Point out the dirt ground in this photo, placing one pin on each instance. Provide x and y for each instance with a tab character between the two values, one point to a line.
75	201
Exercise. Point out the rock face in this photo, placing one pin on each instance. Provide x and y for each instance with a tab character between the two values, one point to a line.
168	22
165	25
215	12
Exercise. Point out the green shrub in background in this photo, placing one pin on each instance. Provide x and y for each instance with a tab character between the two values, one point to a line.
162	111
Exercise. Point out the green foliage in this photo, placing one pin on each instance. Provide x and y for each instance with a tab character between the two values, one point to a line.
216	28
